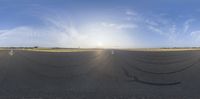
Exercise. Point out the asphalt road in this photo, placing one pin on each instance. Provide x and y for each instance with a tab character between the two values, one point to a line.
100	74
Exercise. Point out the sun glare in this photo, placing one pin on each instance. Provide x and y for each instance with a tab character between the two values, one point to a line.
100	44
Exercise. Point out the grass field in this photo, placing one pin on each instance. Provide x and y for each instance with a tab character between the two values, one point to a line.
52	50
60	50
162	49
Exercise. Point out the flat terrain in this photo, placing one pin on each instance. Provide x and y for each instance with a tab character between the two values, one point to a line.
100	74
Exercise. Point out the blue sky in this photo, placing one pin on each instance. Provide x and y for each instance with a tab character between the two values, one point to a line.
100	23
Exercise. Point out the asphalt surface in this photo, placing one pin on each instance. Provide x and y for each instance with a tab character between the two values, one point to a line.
100	75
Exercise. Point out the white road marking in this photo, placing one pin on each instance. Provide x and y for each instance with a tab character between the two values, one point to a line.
11	53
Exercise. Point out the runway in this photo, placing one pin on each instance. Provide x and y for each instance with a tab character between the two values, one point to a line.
102	74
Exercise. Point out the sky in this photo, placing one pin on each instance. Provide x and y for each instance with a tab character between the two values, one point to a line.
100	23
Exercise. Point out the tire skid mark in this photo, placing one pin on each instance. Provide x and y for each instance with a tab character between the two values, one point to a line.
157	57
136	79
162	63
159	54
140	59
153	83
160	73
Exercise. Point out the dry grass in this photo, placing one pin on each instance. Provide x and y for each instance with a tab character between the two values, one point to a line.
163	49
3	49
59	50
90	49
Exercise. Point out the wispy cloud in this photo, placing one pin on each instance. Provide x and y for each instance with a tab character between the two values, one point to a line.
151	23
119	26
187	24
157	30
3	31
62	31
171	33
131	12
196	35
18	36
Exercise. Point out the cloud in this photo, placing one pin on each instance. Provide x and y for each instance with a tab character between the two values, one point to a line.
29	36
127	26
56	32
164	27
105	24
16	31
59	32
196	35
131	13
118	26
62	31
151	23
3	31
166	30
176	33
157	30
187	24
16	37
66	33
173	35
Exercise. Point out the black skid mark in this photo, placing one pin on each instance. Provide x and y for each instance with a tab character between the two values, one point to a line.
136	79
162	73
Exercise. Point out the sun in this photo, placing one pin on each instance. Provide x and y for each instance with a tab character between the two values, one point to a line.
99	44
